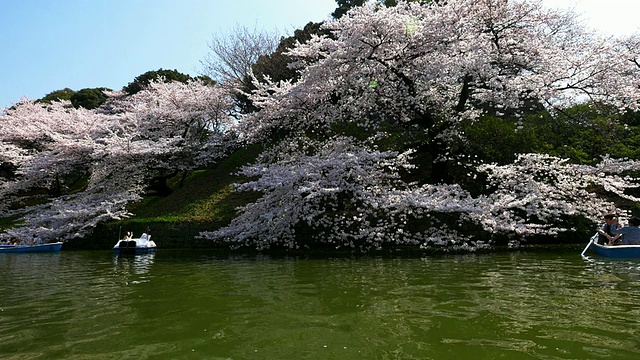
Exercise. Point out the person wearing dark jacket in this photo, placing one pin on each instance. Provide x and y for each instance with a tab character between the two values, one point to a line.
630	234
606	235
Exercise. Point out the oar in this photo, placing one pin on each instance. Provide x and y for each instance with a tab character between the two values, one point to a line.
589	244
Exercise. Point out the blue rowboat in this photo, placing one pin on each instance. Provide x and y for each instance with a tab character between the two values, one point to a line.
614	251
51	247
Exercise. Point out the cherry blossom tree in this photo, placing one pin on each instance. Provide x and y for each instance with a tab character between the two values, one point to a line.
189	123
76	168
340	193
360	146
426	68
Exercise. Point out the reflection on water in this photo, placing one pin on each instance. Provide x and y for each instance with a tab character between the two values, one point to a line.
133	268
198	305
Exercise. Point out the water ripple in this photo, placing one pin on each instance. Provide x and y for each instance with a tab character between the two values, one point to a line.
186	305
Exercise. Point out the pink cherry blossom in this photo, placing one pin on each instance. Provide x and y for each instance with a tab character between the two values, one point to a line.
116	149
429	67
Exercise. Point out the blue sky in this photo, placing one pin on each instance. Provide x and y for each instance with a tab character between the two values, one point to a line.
48	45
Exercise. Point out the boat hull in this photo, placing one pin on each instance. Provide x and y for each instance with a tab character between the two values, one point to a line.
617	251
134	250
52	247
135	246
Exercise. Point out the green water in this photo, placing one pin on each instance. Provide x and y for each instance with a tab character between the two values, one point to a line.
195	305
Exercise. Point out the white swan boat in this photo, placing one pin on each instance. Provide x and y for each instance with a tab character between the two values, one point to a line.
140	245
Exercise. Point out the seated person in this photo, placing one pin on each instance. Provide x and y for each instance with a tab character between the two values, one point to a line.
630	234
36	240
605	235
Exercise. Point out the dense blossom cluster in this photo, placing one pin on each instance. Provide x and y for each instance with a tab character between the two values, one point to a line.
352	197
80	167
424	68
536	192
340	191
431	67
458	58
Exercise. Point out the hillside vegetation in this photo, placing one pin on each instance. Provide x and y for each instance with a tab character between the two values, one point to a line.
200	201
457	125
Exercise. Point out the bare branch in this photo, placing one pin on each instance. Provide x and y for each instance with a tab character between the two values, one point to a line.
233	53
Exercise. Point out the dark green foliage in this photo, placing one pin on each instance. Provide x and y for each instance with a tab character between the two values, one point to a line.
275	65
7	170
205	79
631	118
344	6
141	81
89	98
64	94
390	3
582	133
498	140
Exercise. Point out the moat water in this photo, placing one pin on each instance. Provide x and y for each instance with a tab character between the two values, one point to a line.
198	305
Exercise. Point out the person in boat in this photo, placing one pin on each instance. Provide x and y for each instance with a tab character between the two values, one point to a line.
630	234
605	234
36	240
128	235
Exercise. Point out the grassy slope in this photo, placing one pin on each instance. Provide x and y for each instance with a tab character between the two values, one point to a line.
203	202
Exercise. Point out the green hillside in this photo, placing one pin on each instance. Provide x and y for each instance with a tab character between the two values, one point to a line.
202	200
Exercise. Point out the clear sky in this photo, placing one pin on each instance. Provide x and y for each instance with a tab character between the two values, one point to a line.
614	17
48	45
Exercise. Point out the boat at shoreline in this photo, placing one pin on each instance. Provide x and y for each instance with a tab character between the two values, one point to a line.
614	251
140	245
50	247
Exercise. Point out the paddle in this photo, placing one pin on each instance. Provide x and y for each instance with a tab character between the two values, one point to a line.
589	244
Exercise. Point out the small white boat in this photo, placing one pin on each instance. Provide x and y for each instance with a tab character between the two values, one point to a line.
140	245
